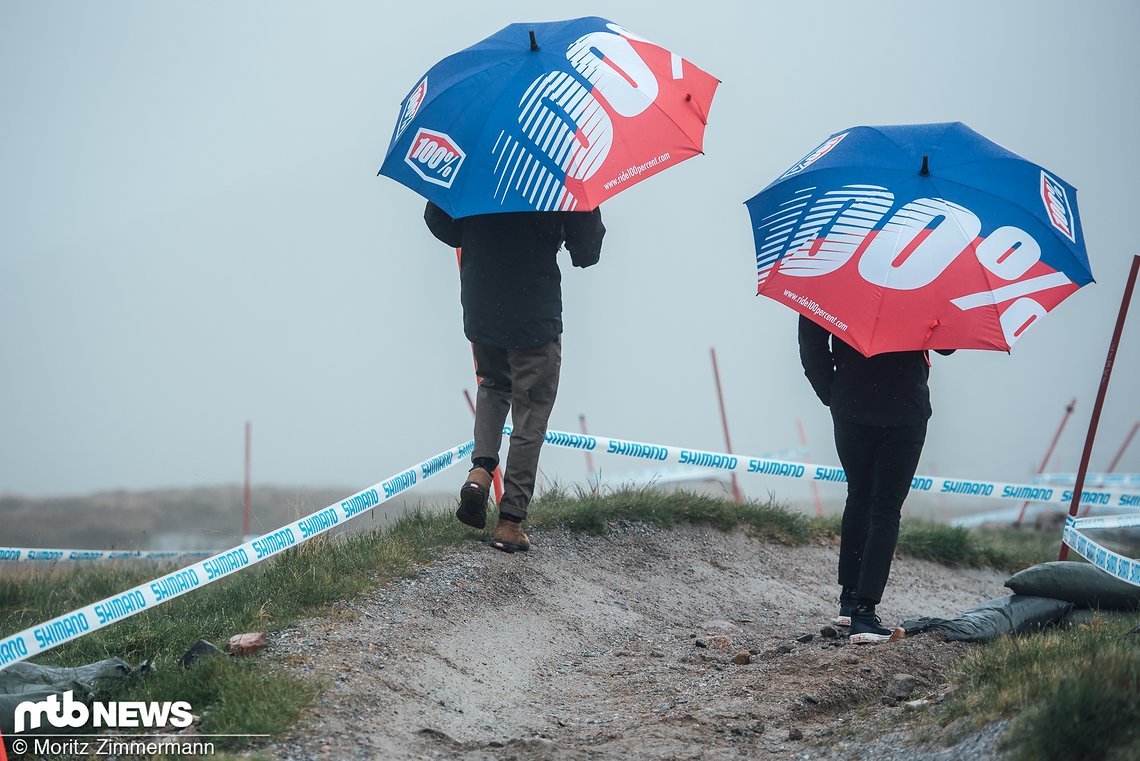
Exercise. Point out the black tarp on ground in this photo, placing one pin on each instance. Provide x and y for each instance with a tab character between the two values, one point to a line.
29	681
1017	614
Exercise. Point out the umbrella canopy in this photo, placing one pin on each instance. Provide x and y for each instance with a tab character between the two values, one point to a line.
924	236
552	116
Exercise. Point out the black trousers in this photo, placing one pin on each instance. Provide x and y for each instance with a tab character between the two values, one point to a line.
880	462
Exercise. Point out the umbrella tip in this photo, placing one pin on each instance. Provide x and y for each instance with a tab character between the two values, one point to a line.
925	166
533	42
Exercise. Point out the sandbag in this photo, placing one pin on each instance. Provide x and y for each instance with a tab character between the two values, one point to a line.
29	681
1082	584
1017	614
1080	617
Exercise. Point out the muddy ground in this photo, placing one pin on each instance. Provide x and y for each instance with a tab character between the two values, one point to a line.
622	646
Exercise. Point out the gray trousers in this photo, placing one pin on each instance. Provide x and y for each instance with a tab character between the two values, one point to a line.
525	382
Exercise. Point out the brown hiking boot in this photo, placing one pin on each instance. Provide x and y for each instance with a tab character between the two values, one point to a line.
509	537
473	498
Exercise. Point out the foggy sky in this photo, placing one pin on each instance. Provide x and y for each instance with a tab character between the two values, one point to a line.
192	235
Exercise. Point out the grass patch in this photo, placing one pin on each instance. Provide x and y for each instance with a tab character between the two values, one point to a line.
239	696
1015	549
1075	694
583	511
1006	549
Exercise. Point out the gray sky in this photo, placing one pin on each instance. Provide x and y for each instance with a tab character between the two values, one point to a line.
192	235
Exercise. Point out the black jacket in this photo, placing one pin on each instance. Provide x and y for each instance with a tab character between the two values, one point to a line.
510	284
884	390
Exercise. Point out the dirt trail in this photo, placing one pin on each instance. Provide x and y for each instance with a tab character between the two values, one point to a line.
587	648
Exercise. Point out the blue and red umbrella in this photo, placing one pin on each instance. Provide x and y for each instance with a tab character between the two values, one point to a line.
923	236
554	116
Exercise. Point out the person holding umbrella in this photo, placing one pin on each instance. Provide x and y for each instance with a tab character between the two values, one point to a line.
880	406
892	242
515	142
512	314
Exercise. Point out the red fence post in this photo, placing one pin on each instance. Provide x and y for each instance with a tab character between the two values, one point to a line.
1048	453
807	459
1095	419
591	474
1124	446
736	497
245	500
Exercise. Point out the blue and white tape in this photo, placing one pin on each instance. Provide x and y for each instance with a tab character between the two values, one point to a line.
70	626
1099	480
36	554
803	471
1004	515
1112	563
1126	520
674	474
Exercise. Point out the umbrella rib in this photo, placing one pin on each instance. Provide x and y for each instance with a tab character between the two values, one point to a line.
459	81
986	274
890	140
1003	199
667	115
878	313
882	289
696	106
483	128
